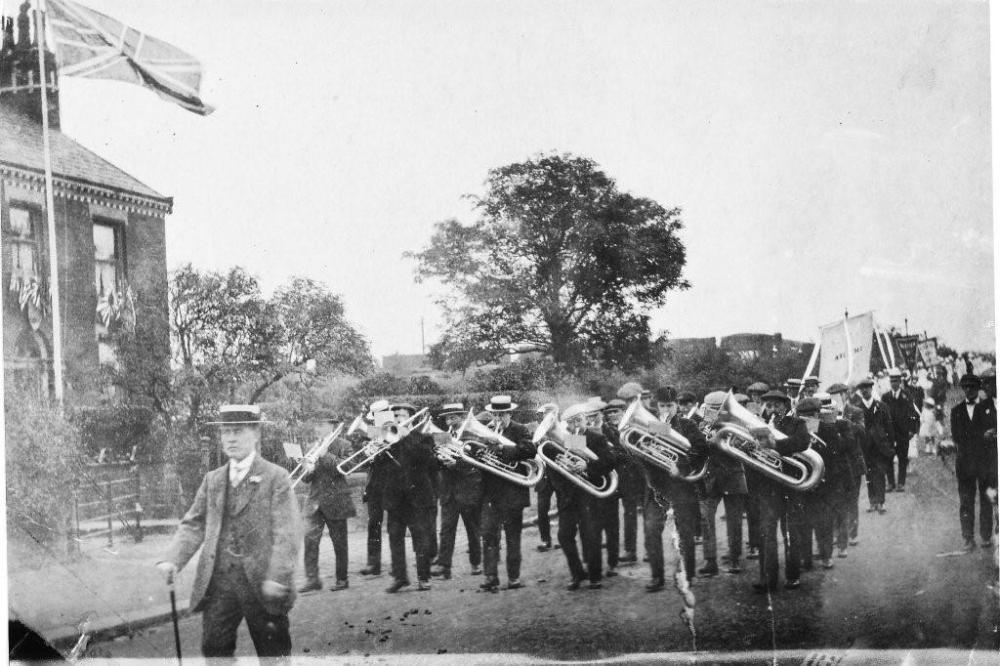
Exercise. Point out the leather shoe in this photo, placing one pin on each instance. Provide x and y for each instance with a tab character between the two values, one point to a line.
514	584
476	571
882	509
339	585
970	544
543	547
853	542
574	584
595	585
628	557
311	586
792	584
610	573
752	554
842	553
441	571
490	584
370	571
423	586
734	568
827	564
710	569
397	586
654	585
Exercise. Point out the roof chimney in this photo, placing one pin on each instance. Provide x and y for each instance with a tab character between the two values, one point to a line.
20	83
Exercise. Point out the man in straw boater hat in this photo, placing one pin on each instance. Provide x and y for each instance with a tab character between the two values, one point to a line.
329	504
974	430
461	493
504	501
245	517
879	447
905	424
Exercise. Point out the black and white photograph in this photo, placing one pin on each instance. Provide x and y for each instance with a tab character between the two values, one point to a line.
478	332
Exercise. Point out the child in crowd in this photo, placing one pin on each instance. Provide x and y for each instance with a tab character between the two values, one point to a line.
930	427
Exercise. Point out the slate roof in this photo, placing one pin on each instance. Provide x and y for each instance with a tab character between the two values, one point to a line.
21	146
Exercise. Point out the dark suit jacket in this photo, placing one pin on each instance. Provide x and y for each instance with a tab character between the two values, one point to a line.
329	492
504	494
835	455
461	484
661	482
411	482
905	421
878	427
273	545
976	455
567	493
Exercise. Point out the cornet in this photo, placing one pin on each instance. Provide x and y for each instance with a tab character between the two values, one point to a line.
475	439
313	455
550	438
644	435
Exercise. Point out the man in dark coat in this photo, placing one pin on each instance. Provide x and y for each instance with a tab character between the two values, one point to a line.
631	480
407	497
543	494
378	470
974	431
905	424
245	520
329	505
776	500
504	501
879	446
724	482
461	493
664	491
851	427
827	500
579	510
609	520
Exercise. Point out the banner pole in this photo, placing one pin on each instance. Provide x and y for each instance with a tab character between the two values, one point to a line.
57	347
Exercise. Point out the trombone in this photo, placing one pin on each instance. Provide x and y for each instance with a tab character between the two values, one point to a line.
391	433
320	449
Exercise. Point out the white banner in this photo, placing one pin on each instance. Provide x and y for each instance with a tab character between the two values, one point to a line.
846	349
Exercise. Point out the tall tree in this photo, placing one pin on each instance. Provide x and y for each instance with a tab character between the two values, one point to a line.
560	259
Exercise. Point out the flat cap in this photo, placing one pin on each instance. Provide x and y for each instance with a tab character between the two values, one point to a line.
571	412
834	389
867	381
630	390
811	380
758	387
615	403
808	406
776	395
687	396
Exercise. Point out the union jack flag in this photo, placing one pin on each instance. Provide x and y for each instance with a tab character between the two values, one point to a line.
92	45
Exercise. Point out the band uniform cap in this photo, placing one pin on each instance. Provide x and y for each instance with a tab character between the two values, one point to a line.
715	398
595	405
969	380
867	381
452	408
776	395
408	406
824	397
758	387
378	406
630	390
501	403
687	396
665	394
742	398
894	373
811	380
616	403
236	414
579	409
808	406
834	389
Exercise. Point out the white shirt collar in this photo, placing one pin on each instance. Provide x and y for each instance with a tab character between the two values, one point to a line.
239	468
868	403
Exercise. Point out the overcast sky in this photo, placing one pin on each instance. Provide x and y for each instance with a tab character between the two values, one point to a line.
827	156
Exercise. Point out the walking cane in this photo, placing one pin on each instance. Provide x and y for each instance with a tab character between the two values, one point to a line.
173	616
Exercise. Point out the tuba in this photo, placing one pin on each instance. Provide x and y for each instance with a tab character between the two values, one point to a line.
644	435
550	437
735	432
473	446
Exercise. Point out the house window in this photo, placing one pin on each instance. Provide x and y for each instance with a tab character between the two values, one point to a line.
108	260
23	238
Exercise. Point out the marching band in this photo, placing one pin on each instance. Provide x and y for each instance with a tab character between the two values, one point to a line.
790	461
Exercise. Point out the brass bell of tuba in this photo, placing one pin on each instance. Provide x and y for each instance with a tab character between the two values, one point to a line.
655	442
476	440
735	433
550	438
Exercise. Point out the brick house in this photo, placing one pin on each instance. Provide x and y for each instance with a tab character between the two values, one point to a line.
110	239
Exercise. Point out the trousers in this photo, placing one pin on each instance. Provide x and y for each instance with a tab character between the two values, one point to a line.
609	525
229	600
545	491
772	507
686	519
470	515
967	487
584	515
417	521
875	475
903	455
314	534
375	514
511	521
734	526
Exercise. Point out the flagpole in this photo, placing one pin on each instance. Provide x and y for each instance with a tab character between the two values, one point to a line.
57	350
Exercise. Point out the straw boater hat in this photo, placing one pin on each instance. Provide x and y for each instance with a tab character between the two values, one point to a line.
501	403
573	411
595	404
616	404
811	380
378	406
408	406
452	408
239	414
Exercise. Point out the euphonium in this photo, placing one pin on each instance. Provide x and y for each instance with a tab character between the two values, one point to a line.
391	433
735	434
550	438
449	450
475	439
644	435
